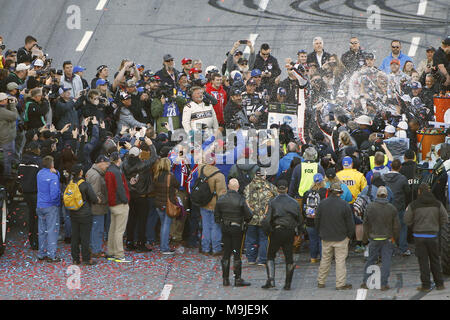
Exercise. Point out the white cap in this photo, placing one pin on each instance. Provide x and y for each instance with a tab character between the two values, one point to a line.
38	63
402	125
389	129
135	151
401	134
364	120
22	67
3	96
210	68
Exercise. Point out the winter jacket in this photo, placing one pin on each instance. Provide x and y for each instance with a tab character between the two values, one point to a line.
117	186
285	162
166	78
312	58
283	211
221	97
48	189
8	117
297	177
235	114
426	215
65	112
27	172
126	119
89	197
231	207
334	219
96	178
381	220
346	195
399	186
197	114
75	84
258	193
270	65
373	193
160	192
409	170
169	113
216	183
35	113
138	174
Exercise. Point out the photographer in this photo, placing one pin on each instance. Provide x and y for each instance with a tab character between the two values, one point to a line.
140	103
8	117
36	108
65	110
124	115
167	108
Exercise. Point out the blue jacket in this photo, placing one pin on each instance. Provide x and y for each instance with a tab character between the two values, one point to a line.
347	195
386	64
285	162
49	191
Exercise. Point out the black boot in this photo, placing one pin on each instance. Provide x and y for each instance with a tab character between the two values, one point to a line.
289	274
225	272
270	268
238	281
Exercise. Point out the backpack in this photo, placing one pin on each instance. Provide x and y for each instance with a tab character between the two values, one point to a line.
244	177
361	203
311	203
201	194
73	200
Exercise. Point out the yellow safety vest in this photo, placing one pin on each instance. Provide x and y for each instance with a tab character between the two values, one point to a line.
1	62
309	169
372	161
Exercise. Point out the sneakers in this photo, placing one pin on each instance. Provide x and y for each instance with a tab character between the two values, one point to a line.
422	289
122	260
314	260
170	252
53	260
262	264
344	287
142	249
360	249
110	258
407	253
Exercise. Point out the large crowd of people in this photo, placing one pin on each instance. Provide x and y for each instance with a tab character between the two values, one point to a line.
113	165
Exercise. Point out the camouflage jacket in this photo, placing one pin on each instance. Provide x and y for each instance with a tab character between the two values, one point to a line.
258	193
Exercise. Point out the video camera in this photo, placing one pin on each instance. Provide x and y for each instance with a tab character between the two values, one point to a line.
165	90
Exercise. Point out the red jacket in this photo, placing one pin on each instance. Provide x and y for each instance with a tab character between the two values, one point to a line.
117	186
221	96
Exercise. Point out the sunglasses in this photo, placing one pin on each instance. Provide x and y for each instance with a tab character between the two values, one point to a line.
354	42
169	60
394	47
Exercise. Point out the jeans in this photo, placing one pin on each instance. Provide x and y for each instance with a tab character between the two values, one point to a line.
48	226
315	245
65	216
9	155
98	229
81	235
165	230
193	221
427	252
256	244
152	220
402	242
212	234
384	248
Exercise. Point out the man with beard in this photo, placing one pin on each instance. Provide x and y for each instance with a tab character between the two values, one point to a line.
168	73
254	105
234	113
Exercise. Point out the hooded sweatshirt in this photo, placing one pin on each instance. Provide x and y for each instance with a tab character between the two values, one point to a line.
400	188
221	97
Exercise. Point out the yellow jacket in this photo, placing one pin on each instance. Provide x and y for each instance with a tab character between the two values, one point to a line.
354	180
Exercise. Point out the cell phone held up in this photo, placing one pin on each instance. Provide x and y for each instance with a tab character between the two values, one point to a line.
243	41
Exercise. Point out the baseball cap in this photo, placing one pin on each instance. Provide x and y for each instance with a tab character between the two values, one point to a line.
33	145
256	73
282	184
194	70
100	68
389	129
100	82
154	78
281	91
62	90
330	173
78	69
242	61
369	55
238	53
135	151
336	187
38	63
236	92
186	60
301	51
102	158
347	161
167	57
251	82
431	48
148	73
416	85
3	96
10	52
76	169
446	41
395	61
22	67
402	125
318	177
236	75
131	83
12	86
124	96
382	191
140	67
211	69
114	156
364	120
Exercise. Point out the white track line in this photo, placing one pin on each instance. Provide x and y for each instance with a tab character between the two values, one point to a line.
87	36
414	45
361	294
422	7
166	292
252	38
263	5
101	5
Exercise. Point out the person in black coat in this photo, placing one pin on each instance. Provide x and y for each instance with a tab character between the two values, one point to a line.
269	67
81	219
231	213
